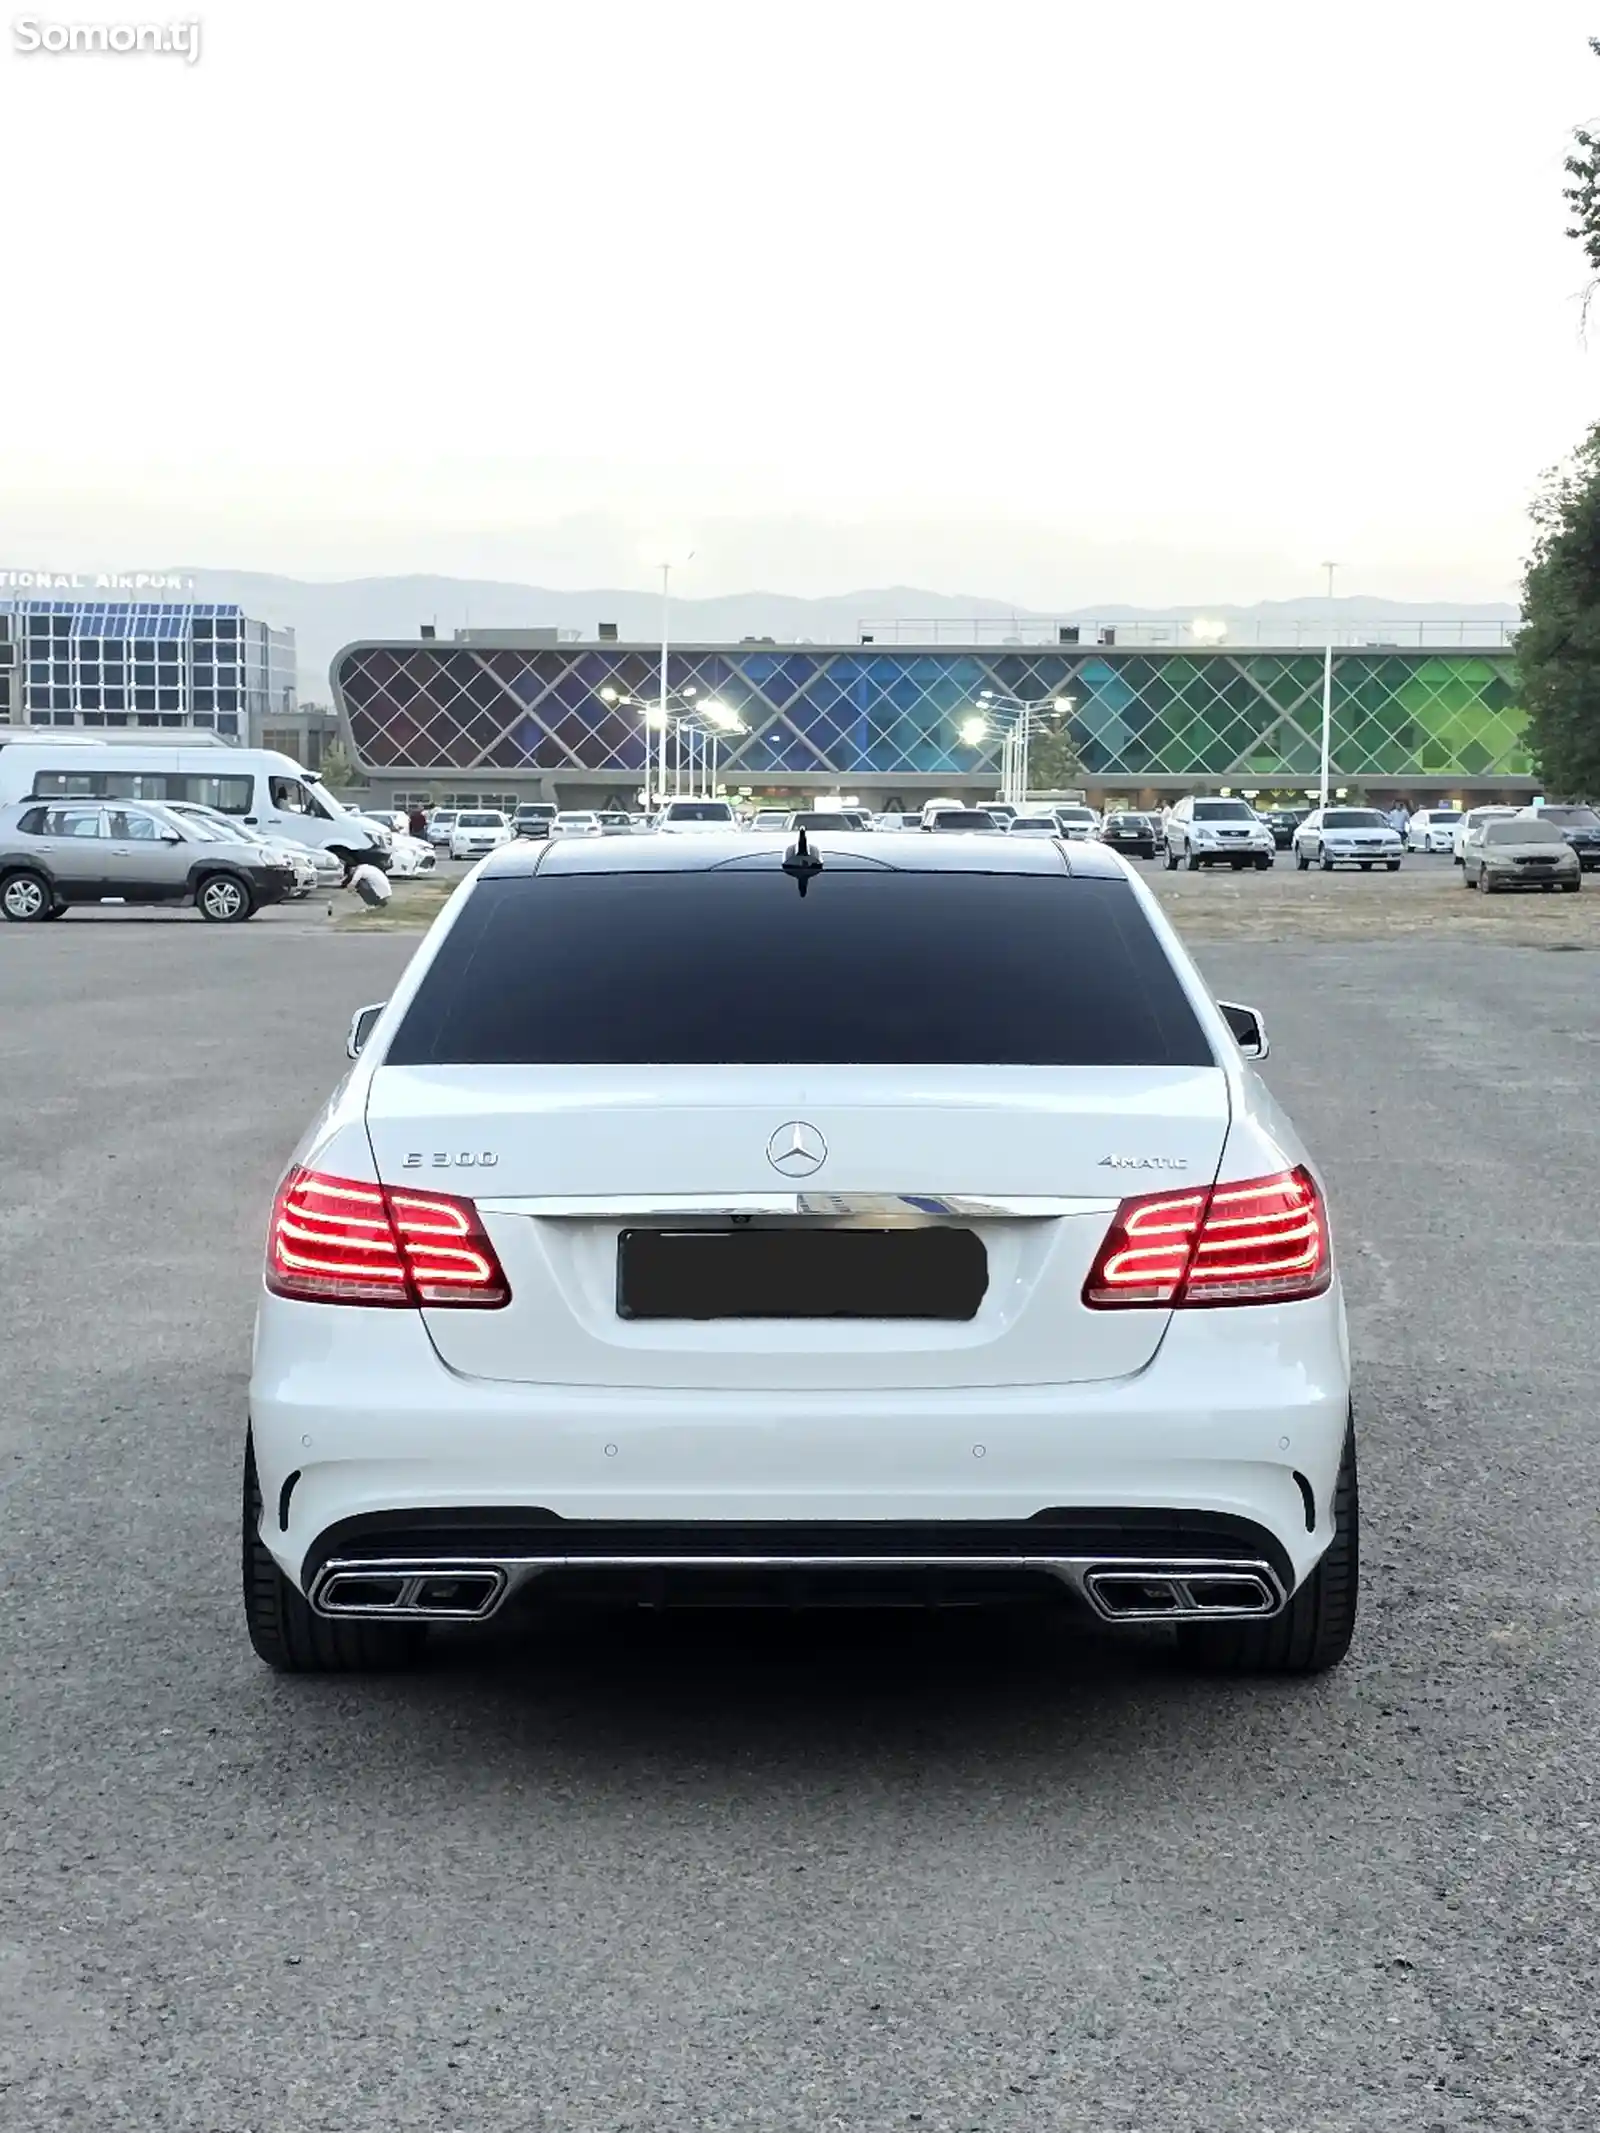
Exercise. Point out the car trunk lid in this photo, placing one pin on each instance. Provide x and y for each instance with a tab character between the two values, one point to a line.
566	1162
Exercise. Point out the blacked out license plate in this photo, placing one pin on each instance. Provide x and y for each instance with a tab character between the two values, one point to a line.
931	1273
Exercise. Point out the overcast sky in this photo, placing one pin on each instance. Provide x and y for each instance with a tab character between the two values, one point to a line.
1145	301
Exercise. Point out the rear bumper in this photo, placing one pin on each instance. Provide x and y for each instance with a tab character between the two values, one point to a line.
1240	1417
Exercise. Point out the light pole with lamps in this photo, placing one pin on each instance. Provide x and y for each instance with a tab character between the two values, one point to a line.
659	718
1327	694
720	720
1017	746
661	701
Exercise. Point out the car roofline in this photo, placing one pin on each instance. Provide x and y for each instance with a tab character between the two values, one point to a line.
706	850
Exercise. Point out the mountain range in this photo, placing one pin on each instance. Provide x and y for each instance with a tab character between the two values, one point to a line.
327	615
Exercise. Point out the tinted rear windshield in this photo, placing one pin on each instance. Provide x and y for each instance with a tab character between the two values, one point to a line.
1222	811
1571	817
734	966
700	811
1353	818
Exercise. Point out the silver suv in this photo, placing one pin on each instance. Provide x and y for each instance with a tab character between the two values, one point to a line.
1209	833
56	853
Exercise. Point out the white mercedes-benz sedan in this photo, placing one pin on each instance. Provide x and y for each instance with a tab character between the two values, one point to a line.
763	1219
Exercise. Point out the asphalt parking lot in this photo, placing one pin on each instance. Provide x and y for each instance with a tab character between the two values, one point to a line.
765	1875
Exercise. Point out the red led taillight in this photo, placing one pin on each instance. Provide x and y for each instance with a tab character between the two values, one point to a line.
1264	1240
334	1240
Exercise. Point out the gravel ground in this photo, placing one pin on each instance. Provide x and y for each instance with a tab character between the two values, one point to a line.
759	1875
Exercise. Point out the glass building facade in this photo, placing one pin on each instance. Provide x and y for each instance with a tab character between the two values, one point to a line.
126	663
1148	720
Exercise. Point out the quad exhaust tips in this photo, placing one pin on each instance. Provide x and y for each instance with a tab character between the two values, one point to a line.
1124	1589
1157	1592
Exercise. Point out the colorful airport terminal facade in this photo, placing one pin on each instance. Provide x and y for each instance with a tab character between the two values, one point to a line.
491	717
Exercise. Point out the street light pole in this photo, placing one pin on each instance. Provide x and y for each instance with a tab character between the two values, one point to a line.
666	577
1327	693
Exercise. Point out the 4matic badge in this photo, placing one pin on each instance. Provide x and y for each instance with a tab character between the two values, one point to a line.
1144	1162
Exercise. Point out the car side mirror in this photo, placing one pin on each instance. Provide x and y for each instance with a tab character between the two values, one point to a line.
1249	1031
361	1025
170	837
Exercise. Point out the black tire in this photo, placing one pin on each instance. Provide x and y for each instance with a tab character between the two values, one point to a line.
1172	860
224	899
1193	862
1327	864
1571	888
1393	865
26	896
1263	863
287	1635
1314	1631
1486	887
1302	863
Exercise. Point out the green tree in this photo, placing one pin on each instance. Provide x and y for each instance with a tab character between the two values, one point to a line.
338	767
1054	764
1558	646
1583	194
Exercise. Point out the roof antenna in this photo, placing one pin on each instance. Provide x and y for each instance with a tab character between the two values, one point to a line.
801	861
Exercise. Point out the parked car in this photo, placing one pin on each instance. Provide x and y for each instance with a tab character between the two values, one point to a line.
1433	829
54	854
964	818
577	822
1333	837
812	819
477	831
314	867
412	856
440	824
1030	825
1076	822
1002	810
1127	832
617	822
696	816
591	1378
771	818
1525	853
533	818
1471	820
1207	833
1283	822
1579	825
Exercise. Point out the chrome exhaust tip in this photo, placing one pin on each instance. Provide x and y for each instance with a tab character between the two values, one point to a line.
1160	1592
408	1592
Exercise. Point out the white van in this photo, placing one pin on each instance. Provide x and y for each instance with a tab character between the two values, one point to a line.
260	788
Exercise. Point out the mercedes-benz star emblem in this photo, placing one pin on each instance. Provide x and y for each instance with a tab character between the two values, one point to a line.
797	1149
